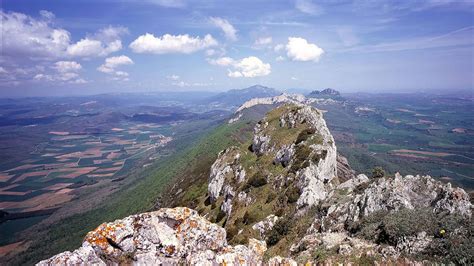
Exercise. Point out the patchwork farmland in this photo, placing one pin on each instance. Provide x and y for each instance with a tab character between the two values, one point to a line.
71	161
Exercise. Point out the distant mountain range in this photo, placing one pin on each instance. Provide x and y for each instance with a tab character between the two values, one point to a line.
237	97
326	94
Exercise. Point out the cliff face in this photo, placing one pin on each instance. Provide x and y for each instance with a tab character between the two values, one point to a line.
285	196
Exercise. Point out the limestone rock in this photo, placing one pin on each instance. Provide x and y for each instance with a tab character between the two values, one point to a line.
393	194
166	236
279	261
226	166
266	225
351	184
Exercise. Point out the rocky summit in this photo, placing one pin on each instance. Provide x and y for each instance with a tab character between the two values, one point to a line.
286	197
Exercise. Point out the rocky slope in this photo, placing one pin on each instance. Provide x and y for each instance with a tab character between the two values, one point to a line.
287	197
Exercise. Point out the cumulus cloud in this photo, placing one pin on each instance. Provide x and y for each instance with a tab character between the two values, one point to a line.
37	38
114	62
65	71
298	49
248	67
229	31
167	43
88	48
67	66
308	7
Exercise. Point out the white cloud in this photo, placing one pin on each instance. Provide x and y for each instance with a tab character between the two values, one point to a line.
308	7
65	71
47	14
172	77
280	58
23	36
229	31
252	66
87	48
279	47
263	41
222	61
298	49
248	67
114	62
28	38
167	43
194	84
121	74
294	78
67	66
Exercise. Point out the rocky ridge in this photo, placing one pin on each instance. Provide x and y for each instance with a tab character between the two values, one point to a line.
287	197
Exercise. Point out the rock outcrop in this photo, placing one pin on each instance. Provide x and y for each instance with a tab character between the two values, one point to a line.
165	237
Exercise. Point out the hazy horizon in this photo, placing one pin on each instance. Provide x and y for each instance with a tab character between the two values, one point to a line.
68	48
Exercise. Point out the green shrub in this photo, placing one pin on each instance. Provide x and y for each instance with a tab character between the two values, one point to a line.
407	222
378	172
271	196
256	180
279	230
292	194
250	217
304	135
302	153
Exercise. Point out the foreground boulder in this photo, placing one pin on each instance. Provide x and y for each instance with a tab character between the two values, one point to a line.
167	236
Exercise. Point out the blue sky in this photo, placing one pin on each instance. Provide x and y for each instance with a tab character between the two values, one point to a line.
86	47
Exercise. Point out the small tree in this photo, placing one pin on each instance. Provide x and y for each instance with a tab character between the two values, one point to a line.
378	172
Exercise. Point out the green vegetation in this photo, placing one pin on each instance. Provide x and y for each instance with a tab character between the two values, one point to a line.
140	196
452	235
378	172
279	230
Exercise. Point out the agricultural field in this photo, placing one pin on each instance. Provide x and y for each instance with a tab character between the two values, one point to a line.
68	161
411	134
61	157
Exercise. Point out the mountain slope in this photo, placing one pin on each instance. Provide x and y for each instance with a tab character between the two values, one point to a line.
280	192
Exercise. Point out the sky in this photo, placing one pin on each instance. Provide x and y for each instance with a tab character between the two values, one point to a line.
89	47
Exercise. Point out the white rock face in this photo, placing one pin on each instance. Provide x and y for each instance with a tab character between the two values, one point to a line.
393	194
263	227
283	98
353	183
226	166
176	236
297	99
315	180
